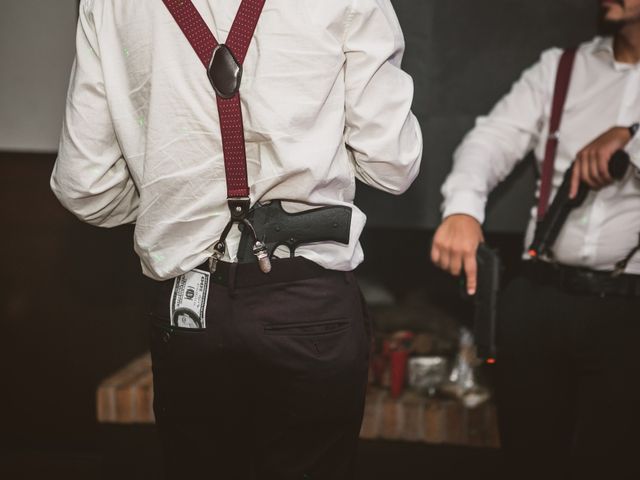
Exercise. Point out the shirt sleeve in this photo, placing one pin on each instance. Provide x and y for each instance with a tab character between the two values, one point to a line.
381	132
500	140
633	149
90	176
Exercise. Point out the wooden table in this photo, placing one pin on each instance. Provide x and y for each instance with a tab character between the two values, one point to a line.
127	398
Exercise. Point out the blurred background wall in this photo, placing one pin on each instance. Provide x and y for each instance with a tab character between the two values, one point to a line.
464	55
70	299
36	52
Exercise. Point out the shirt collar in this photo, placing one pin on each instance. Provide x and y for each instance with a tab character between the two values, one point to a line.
603	46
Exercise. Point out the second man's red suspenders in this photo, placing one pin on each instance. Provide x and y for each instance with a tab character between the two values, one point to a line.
563	79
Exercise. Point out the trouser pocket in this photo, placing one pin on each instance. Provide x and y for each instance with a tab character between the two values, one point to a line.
179	359
311	328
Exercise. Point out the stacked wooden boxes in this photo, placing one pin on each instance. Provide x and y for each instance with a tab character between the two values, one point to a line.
126	397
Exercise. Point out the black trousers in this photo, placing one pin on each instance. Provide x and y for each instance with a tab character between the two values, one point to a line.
568	382
274	387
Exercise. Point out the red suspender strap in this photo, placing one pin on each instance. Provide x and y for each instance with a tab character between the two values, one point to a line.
563	78
194	28
229	109
243	28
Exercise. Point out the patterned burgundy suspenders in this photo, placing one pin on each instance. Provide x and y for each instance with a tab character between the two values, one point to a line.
223	63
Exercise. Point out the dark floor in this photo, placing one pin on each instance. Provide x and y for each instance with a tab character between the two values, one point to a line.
377	461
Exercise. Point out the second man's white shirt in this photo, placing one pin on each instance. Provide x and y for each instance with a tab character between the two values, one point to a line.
603	94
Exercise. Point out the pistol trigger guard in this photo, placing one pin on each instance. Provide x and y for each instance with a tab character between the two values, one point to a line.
272	250
291	247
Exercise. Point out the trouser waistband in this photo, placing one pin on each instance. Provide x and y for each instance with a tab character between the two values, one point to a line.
241	275
583	280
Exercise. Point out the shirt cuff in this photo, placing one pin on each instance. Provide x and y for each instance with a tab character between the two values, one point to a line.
465	203
633	149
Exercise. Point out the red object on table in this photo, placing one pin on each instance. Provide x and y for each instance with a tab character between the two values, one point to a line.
389	364
399	359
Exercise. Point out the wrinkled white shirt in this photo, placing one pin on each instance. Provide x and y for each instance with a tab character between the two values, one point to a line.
603	94
324	102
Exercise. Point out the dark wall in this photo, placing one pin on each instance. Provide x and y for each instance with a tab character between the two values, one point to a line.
70	310
464	55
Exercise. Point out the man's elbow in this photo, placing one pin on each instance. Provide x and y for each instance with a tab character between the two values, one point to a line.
83	211
396	180
403	182
408	166
409	159
95	210
392	170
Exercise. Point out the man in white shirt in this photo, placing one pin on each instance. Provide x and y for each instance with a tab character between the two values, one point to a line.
267	379
569	333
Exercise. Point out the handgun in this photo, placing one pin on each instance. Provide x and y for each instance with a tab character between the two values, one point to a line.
276	227
548	229
486	301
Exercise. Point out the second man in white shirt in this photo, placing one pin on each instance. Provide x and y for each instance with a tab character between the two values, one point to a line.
568	329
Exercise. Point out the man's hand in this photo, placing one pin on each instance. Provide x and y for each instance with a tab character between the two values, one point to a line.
592	162
455	245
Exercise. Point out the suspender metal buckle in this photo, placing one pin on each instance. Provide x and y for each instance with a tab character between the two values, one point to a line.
239	208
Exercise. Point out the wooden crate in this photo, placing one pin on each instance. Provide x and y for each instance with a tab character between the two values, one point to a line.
126	397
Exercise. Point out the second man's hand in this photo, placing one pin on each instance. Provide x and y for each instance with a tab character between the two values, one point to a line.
592	162
455	245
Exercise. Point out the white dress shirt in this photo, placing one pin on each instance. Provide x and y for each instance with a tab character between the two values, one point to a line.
324	102
603	94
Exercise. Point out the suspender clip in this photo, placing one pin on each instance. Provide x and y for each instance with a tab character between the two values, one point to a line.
262	255
259	248
219	249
